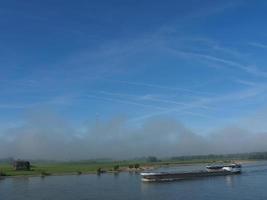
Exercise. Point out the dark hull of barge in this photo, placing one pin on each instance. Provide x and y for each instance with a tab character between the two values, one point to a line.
160	177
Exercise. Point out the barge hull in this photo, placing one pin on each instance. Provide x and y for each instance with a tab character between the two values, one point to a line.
184	176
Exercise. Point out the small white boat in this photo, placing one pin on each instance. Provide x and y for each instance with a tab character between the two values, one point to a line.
230	167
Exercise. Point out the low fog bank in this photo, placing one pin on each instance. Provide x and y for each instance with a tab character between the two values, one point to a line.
48	136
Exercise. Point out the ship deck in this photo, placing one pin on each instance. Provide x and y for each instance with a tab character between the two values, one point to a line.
154	177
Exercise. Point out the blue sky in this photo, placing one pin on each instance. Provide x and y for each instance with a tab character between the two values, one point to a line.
200	62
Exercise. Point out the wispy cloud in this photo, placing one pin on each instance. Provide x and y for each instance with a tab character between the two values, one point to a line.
259	45
60	100
124	101
156	86
227	63
181	112
164	106
237	95
154	98
14	106
246	82
211	102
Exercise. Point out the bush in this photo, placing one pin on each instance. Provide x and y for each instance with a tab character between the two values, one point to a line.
116	167
2	173
44	173
131	166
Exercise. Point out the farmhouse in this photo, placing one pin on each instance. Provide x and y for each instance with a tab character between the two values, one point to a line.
21	165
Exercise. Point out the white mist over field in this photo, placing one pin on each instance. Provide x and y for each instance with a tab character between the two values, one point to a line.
48	136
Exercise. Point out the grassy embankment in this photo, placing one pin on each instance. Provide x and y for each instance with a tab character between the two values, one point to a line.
63	168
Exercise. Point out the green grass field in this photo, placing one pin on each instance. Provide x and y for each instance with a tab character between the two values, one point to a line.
60	168
55	168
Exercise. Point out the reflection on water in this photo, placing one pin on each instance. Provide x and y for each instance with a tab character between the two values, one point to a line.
229	181
249	185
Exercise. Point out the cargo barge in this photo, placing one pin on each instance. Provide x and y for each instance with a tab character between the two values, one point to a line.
214	170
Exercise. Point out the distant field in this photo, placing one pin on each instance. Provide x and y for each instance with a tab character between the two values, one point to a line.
44	169
56	168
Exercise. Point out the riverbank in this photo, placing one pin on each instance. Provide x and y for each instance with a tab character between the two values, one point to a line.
78	168
129	186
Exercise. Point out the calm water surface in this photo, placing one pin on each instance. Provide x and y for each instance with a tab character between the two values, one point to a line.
252	184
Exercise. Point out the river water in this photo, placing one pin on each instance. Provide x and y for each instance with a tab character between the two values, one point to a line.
251	184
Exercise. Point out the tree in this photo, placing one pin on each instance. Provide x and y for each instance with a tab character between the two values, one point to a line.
99	170
136	166
152	159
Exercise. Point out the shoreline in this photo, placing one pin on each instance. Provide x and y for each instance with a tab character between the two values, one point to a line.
145	167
